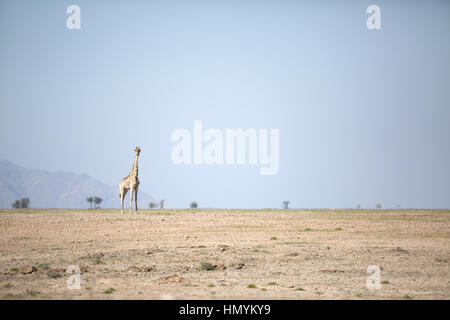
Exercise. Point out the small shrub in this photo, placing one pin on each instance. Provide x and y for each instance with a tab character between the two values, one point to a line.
263	289
407	297
359	295
206	266
300	289
307	229
272	284
54	275
32	293
211	285
98	261
44	266
385	282
251	286
109	291
7	285
338	229
273	238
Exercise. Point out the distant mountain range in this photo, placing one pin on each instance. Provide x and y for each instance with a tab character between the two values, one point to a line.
58	190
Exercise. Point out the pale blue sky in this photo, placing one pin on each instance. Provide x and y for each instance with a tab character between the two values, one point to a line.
363	115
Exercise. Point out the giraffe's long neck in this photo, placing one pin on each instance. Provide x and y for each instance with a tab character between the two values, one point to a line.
134	170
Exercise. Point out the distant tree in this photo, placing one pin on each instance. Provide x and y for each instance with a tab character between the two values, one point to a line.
152	205
378	206
358	206
194	205
24	203
90	200
286	204
16	204
97	202
161	204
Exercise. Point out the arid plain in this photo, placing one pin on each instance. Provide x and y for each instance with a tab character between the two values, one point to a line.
225	254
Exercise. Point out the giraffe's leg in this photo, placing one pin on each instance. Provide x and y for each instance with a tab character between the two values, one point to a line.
131	200
135	197
123	192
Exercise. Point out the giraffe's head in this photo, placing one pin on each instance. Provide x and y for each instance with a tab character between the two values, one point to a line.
137	150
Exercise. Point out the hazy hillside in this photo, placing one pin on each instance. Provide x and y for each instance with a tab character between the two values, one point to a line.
57	190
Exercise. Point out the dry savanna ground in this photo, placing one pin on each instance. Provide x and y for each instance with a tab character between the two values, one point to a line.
224	254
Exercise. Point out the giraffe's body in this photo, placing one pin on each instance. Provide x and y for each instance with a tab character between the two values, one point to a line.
131	183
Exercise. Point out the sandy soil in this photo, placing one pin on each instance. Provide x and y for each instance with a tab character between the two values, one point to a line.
255	254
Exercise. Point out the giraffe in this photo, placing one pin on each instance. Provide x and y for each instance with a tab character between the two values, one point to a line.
131	182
